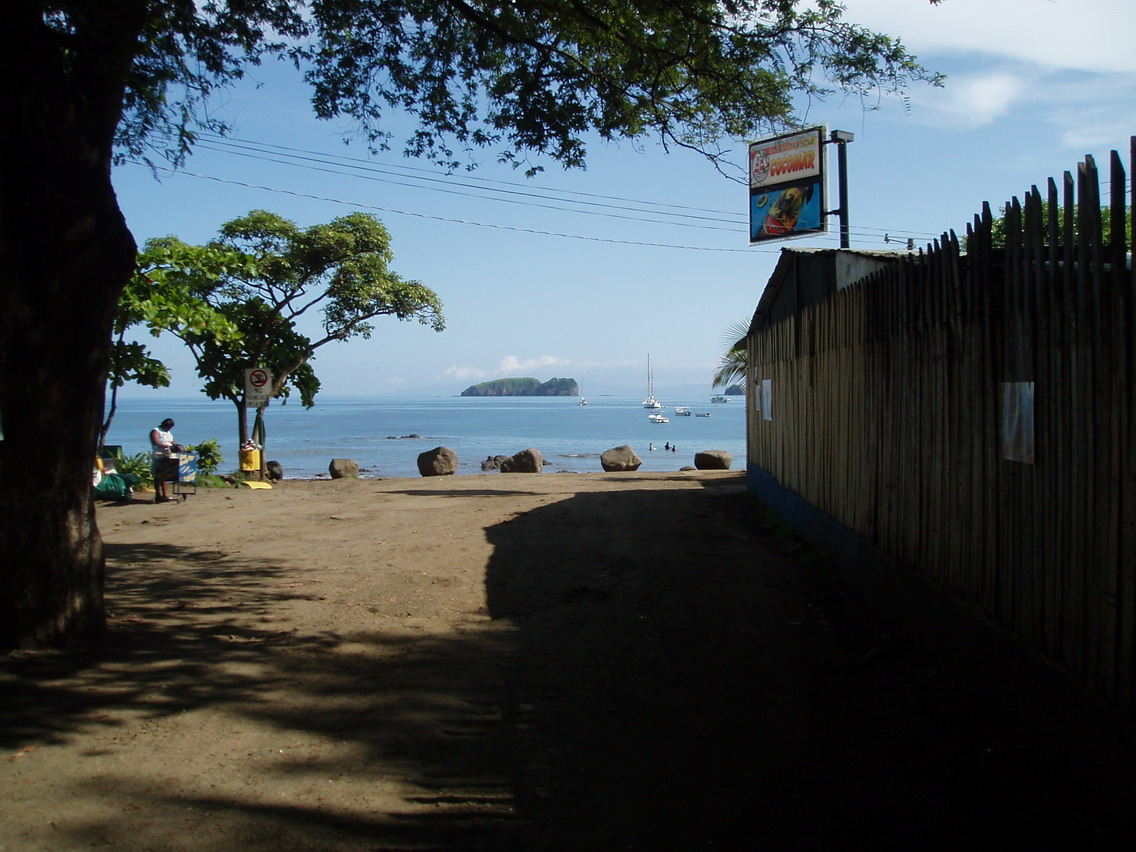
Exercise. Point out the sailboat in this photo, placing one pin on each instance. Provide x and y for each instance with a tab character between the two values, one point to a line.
583	399
650	401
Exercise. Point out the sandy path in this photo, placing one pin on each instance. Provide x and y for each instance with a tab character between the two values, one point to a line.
501	662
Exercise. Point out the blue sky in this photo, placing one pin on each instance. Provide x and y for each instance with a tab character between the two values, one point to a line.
583	273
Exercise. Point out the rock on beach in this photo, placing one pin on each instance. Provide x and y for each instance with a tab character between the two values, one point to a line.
440	461
343	469
620	458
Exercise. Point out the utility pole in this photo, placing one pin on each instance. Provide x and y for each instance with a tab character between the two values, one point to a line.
841	138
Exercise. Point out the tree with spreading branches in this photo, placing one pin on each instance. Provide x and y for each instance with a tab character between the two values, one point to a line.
86	81
340	270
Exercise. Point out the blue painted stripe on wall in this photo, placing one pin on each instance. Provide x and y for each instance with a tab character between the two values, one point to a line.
818	527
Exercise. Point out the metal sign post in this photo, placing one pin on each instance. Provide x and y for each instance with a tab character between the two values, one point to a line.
841	138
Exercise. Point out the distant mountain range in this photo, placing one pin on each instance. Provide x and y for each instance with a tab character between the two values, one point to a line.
524	387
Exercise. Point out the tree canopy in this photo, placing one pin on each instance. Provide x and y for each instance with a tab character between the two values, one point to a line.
735	360
518	78
340	270
161	296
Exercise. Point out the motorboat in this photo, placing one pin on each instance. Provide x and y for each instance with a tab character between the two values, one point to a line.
658	418
682	411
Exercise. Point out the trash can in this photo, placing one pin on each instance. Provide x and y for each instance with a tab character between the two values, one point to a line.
250	459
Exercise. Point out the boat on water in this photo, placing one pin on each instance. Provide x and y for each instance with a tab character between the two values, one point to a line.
656	417
650	401
583	399
702	414
720	398
682	411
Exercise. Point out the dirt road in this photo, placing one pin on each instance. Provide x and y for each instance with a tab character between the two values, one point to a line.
504	662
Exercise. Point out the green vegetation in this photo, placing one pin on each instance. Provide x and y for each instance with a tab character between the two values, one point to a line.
341	269
160	296
524	387
139	465
998	231
734	362
209	456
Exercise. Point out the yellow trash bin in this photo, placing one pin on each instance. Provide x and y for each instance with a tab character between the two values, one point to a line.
250	459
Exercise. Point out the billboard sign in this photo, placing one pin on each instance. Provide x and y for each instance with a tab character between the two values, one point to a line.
787	186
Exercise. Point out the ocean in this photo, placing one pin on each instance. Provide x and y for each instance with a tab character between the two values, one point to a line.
377	433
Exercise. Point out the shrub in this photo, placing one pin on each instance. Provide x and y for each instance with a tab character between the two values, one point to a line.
139	465
209	456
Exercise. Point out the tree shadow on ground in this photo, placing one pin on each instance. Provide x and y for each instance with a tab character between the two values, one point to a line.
653	675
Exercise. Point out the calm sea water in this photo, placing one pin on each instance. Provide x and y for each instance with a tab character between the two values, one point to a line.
373	432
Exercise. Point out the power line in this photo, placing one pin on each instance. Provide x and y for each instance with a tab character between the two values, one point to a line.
485	189
448	191
432	176
731	220
436	218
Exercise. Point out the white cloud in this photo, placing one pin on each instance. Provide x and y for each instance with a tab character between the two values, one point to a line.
973	100
513	364
464	373
1086	35
510	365
1093	113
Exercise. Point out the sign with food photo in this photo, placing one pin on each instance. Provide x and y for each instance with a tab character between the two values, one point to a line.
786	186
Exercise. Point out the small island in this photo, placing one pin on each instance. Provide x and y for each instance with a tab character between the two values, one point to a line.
524	387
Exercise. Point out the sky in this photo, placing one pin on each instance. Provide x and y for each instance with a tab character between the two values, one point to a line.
585	274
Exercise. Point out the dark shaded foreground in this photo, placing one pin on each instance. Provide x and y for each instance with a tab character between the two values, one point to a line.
661	671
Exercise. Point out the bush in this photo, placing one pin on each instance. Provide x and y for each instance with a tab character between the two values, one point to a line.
139	465
209	456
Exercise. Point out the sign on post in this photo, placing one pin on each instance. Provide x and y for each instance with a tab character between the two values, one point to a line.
787	186
258	387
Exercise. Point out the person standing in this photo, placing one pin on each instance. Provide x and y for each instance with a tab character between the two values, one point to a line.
162	449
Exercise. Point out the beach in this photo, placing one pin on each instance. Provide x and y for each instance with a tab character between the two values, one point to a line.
512	662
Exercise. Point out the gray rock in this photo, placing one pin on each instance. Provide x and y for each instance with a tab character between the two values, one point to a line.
275	471
493	462
526	461
343	469
440	461
620	458
713	460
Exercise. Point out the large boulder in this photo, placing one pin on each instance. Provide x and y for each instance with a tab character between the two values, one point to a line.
440	461
713	460
620	458
493	462
526	461
343	469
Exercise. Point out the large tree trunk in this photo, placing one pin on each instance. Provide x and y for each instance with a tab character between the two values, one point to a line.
65	254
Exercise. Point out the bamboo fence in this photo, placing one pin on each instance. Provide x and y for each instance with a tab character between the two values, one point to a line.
892	402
